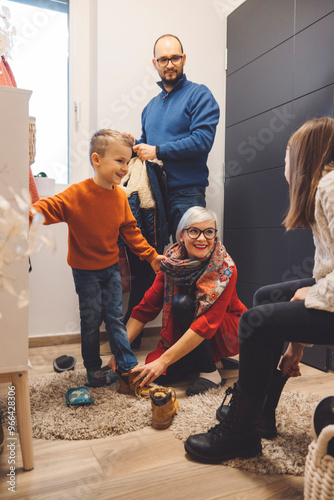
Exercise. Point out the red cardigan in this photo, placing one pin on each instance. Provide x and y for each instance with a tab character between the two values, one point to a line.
219	323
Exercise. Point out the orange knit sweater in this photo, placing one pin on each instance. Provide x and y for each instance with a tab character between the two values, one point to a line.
95	216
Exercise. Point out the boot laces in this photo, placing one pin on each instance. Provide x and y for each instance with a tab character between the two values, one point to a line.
228	392
142	392
224	426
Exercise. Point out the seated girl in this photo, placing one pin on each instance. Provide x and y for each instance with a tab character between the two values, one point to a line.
301	311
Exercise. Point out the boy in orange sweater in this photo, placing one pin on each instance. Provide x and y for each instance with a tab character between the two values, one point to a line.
97	211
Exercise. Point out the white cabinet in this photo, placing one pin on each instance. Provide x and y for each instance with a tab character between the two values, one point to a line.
14	172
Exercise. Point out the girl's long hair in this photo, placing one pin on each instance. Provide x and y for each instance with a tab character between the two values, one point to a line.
311	150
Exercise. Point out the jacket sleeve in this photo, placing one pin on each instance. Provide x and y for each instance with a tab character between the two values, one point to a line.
152	302
208	323
133	237
321	295
204	115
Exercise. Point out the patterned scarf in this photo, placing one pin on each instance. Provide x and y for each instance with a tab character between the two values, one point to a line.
207	277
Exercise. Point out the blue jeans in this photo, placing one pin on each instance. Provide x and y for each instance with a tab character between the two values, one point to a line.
179	202
100	299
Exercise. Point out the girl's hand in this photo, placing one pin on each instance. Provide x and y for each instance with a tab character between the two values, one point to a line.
300	293
294	370
149	372
289	364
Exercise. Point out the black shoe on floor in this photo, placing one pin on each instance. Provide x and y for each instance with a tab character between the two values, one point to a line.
230	364
201	385
64	363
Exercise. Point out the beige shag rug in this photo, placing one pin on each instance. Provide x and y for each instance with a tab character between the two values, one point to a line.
113	414
284	455
110	414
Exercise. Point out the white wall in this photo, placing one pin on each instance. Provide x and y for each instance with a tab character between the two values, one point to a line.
112	77
127	78
53	306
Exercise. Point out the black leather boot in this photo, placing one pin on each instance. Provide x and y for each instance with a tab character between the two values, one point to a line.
267	426
236	436
268	429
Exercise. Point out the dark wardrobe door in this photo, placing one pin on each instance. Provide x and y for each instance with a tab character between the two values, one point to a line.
280	73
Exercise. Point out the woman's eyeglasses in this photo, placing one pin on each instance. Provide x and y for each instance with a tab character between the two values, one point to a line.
194	233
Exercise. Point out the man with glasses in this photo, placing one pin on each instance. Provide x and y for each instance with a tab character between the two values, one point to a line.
178	127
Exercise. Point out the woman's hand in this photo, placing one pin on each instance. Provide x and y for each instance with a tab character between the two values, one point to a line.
189	341
301	293
149	372
289	364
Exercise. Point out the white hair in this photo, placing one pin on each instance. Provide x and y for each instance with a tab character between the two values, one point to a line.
192	216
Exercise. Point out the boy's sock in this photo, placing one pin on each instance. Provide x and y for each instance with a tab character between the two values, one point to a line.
212	376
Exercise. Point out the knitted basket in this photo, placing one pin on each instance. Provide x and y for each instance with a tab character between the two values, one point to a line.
319	468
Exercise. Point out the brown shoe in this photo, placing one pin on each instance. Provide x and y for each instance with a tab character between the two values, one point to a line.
126	386
164	406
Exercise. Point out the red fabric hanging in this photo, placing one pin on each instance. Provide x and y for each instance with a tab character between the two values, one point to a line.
6	76
32	188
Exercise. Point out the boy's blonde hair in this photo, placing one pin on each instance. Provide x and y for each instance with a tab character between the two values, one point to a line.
102	139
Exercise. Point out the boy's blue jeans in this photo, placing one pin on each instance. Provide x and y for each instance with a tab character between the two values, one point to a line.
100	299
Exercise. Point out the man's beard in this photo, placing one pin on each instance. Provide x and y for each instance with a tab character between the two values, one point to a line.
172	81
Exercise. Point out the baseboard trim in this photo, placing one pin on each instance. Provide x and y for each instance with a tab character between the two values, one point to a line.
75	338
49	340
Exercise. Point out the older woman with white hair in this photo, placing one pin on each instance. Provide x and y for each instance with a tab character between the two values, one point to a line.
197	294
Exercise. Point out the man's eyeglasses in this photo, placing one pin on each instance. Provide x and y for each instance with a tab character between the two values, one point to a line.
175	60
194	233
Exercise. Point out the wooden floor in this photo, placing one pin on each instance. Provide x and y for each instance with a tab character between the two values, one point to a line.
147	464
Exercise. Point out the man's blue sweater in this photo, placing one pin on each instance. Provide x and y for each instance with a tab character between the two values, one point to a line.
182	124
